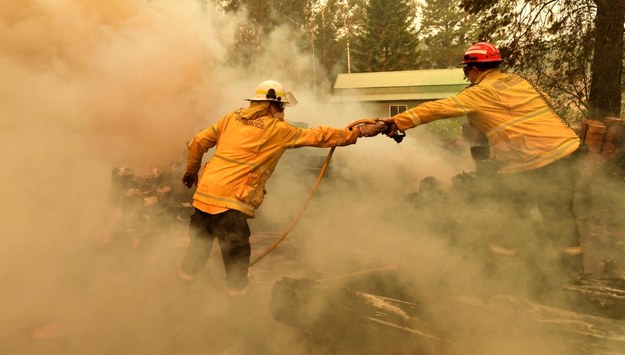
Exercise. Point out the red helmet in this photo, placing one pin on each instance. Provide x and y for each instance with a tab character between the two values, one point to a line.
482	52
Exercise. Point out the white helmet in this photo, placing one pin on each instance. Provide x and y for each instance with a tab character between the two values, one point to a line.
271	90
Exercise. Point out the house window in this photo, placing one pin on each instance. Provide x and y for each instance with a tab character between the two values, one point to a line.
395	109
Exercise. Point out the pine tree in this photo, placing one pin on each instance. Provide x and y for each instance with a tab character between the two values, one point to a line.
389	40
327	46
447	31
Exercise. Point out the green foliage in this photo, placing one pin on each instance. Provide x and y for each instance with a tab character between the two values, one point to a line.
447	130
389	40
334	26
326	44
447	30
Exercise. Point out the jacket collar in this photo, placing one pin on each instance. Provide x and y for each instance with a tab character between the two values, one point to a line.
255	110
484	75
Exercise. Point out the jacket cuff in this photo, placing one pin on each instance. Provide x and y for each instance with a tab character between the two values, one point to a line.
407	119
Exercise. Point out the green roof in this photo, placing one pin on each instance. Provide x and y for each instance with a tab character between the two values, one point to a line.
399	85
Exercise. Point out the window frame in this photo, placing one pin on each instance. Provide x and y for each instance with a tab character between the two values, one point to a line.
398	109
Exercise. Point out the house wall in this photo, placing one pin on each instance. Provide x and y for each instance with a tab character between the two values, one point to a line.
379	109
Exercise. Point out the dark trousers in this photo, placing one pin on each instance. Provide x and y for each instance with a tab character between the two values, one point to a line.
550	190
233	233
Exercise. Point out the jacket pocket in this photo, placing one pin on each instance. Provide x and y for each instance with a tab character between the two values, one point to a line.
253	191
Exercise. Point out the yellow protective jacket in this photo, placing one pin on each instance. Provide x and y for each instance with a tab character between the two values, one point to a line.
249	144
523	133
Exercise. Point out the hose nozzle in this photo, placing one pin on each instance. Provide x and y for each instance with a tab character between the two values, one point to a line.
393	132
398	136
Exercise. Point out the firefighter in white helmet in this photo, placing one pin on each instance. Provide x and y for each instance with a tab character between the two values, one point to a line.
534	152
231	186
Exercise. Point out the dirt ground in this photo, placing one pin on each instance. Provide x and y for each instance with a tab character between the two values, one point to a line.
150	311
124	299
132	302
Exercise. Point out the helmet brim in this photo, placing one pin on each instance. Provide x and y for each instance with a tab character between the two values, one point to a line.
464	64
289	100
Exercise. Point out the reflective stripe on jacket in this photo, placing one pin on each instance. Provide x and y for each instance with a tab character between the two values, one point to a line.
523	133
249	144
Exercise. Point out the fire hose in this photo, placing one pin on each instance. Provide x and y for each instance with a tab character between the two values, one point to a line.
397	136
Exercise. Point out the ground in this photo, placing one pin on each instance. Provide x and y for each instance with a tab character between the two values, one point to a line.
126	297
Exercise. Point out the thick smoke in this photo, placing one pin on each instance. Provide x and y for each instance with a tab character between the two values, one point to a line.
89	86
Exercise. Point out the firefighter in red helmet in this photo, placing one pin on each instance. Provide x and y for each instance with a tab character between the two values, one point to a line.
533	151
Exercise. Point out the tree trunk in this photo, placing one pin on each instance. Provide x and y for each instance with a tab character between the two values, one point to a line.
607	65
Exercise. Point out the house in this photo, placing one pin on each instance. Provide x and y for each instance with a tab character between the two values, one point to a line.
385	94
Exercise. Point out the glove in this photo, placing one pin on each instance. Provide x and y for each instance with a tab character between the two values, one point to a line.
390	126
189	180
371	129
